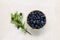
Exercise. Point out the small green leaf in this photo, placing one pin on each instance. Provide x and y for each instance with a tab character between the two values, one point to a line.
17	20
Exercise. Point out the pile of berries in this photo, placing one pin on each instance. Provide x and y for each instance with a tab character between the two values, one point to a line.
36	19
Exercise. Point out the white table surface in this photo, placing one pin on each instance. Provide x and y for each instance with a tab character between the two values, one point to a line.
51	9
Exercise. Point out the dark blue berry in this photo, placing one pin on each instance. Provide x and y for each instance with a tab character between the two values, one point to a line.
36	19
21	14
12	18
18	27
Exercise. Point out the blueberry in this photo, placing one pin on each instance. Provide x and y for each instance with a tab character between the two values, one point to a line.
36	19
21	14
12	18
18	27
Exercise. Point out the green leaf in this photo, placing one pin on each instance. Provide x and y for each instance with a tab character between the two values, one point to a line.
17	20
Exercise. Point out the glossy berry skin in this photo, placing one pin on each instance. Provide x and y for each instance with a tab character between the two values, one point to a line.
36	19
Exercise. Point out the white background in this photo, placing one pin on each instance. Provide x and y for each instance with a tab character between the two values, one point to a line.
51	9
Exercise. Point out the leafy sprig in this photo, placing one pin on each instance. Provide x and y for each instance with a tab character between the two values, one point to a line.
17	20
